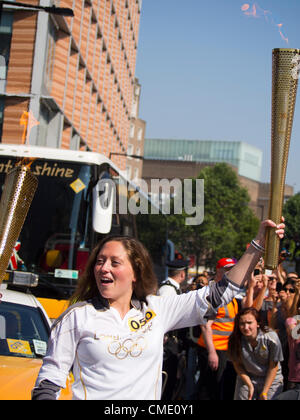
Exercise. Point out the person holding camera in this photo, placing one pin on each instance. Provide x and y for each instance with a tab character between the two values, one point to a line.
256	289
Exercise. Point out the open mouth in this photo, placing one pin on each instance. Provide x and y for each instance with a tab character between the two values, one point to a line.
106	281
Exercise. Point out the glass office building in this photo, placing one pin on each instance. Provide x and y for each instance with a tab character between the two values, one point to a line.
246	158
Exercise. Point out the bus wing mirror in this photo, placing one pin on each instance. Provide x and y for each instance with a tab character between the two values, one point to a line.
103	200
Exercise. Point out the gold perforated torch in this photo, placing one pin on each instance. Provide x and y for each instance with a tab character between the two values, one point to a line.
18	191
285	77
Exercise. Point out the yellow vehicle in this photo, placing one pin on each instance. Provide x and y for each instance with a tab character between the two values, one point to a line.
24	332
53	307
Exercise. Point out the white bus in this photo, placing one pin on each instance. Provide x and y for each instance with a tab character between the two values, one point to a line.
74	206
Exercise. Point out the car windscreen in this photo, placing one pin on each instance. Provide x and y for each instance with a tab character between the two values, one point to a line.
23	331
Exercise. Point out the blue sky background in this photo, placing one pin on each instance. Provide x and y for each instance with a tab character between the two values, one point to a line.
205	70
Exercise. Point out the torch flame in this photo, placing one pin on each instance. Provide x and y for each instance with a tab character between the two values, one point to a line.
281	34
28	120
253	12
257	12
245	7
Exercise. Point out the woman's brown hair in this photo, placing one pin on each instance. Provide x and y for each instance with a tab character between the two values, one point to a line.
146	281
235	339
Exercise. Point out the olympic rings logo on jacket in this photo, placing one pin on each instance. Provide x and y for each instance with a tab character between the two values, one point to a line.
128	347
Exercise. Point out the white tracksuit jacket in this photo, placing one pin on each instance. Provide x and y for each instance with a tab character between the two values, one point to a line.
114	358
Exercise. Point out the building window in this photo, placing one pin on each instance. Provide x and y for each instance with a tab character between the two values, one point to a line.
131	131
134	109
52	37
5	40
45	117
136	173
224	154
128	171
1	116
130	150
2	67
140	134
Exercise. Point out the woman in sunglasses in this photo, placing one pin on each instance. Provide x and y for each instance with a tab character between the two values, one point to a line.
279	314
293	333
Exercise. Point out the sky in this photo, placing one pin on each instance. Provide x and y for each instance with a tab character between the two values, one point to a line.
205	67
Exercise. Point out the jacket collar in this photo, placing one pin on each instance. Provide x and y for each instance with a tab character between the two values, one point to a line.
100	303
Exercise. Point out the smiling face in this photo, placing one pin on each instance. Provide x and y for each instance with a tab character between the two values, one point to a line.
114	273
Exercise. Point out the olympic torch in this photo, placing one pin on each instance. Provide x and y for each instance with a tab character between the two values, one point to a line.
284	91
18	191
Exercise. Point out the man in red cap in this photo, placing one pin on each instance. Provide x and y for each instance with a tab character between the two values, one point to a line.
213	344
223	265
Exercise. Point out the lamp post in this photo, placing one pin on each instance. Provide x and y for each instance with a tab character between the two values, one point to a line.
62	11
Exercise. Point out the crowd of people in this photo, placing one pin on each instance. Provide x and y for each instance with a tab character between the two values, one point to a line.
251	348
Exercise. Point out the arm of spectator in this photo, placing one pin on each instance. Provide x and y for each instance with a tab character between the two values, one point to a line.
281	276
271	315
247	302
213	359
290	324
271	374
257	304
245	378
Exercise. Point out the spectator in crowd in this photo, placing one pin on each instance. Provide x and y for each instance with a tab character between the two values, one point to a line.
282	304
295	306
192	368
293	333
192	286
292	276
213	342
261	293
280	271
223	266
177	273
200	280
272	293
256	289
256	354
173	340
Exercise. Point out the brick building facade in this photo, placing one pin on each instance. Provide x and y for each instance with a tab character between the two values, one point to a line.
74	75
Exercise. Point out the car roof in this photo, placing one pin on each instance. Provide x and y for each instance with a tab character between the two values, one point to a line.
21	298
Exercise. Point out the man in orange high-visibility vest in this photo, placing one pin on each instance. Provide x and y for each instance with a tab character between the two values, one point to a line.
213	344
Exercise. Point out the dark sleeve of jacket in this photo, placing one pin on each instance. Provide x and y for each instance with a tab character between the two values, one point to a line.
45	391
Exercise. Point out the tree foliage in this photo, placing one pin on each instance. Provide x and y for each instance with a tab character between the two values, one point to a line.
229	224
291	213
